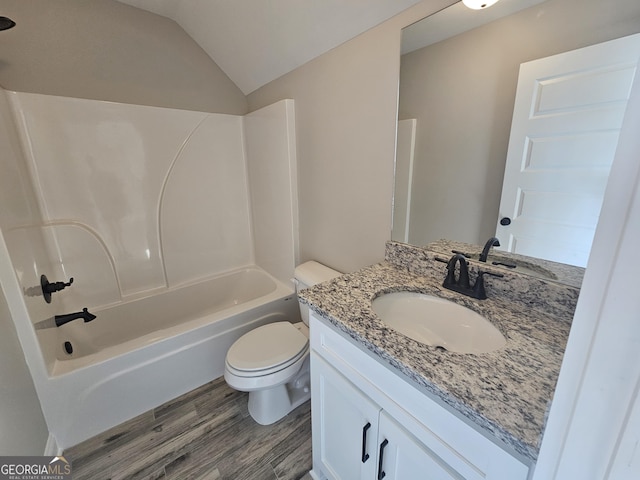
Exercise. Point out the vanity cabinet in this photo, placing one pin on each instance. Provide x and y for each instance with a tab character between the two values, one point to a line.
369	423
359	440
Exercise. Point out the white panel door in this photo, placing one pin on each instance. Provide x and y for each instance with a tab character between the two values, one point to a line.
566	120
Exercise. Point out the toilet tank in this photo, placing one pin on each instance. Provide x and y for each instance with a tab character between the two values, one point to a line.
309	274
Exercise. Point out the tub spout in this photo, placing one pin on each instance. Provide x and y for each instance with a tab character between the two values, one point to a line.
84	314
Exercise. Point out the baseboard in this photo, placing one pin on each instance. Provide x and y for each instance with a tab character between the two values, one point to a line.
51	448
313	475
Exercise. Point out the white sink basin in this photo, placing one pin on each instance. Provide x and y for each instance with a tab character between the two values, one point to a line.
438	322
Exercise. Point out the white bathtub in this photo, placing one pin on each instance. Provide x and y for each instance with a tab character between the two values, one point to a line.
140	354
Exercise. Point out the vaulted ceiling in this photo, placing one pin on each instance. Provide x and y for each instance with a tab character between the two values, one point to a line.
257	41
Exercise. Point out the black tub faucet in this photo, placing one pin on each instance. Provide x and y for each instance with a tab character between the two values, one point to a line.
84	314
492	242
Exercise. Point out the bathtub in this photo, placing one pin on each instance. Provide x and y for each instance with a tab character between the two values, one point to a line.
139	354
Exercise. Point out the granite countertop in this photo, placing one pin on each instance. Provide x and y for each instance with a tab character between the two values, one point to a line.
505	393
537	267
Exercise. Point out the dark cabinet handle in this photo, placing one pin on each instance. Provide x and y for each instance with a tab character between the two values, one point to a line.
365	455
505	221
381	473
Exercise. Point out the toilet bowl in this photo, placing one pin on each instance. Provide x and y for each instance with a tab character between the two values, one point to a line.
271	362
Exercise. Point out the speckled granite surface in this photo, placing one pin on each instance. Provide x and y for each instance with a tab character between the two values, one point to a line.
549	297
505	393
557	272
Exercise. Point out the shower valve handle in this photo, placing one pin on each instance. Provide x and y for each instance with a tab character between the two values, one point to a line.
51	287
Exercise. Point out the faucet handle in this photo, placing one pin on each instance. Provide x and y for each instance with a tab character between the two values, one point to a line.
479	291
51	287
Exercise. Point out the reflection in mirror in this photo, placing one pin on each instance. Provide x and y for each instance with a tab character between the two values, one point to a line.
510	262
459	87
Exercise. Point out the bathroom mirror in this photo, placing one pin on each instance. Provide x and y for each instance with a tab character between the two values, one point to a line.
458	78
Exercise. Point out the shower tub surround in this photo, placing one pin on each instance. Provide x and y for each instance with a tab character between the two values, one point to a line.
504	394
136	198
178	227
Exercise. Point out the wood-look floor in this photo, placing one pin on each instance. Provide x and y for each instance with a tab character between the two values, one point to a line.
204	434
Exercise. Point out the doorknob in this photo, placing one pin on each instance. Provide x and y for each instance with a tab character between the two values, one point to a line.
505	221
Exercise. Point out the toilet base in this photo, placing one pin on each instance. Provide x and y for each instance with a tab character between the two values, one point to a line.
269	405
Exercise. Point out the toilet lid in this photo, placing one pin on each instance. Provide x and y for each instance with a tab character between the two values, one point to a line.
267	347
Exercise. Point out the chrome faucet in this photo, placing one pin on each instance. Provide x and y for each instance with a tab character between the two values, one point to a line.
84	314
492	242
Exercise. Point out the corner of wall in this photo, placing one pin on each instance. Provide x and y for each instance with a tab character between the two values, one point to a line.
270	140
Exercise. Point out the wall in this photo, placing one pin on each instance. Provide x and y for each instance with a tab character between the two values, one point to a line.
106	50
20	411
346	110
462	90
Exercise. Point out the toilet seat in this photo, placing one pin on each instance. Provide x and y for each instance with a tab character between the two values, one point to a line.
267	349
272	363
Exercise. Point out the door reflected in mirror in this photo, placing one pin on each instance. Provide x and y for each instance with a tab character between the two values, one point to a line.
459	87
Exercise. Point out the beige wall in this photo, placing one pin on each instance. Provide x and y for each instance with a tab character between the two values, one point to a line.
346	107
22	426
462	90
346	102
106	50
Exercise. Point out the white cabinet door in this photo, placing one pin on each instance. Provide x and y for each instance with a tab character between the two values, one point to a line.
354	439
345	425
402	457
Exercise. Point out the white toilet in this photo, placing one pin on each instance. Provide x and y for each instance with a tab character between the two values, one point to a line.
272	362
